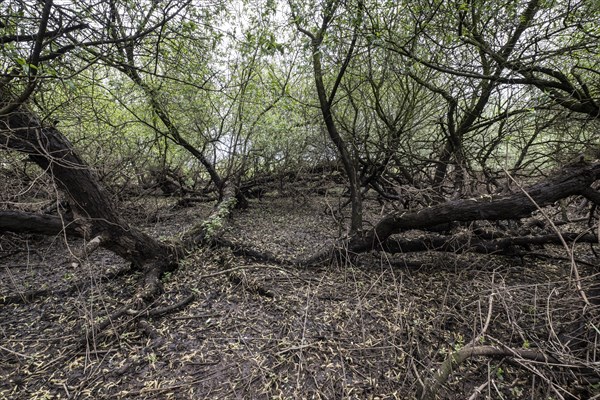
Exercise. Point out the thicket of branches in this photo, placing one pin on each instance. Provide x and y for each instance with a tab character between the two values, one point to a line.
451	111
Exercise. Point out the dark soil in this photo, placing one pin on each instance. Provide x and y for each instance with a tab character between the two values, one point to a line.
374	328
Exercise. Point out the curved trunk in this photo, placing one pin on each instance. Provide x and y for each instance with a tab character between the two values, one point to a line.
575	180
94	212
347	162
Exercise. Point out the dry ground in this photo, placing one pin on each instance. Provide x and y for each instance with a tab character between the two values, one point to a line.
376	328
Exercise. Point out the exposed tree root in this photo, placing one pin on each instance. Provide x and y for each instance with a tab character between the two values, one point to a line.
151	287
242	250
173	307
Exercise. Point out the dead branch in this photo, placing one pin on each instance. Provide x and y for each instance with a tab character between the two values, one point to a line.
455	359
26	222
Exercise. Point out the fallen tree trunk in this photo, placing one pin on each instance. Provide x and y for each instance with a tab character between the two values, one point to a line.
94	213
568	182
25	222
468	243
209	231
571	180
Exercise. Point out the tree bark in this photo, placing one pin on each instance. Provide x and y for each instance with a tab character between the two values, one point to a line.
326	103
568	182
25	222
95	215
471	243
347	162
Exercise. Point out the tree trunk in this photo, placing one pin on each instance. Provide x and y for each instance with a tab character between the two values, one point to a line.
570	181
346	158
95	215
24	222
471	243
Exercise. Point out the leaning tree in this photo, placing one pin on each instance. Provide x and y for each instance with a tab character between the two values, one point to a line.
44	41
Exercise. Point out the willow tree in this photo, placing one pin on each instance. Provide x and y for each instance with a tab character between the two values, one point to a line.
316	30
43	44
487	57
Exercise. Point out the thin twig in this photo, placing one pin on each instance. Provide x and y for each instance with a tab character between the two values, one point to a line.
16	353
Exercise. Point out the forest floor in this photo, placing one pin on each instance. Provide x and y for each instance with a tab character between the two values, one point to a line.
374	328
